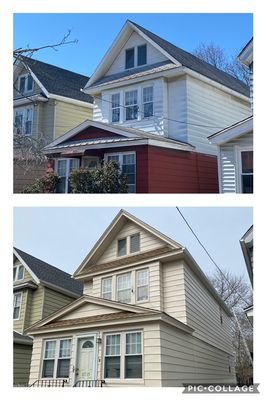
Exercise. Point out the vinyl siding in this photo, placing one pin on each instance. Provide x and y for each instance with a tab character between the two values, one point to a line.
177	108
88	288
153	55
53	301
210	106
203	314
18	325
67	116
47	120
88	310
27	277
147	242
229	163
21	364
186	359
36	305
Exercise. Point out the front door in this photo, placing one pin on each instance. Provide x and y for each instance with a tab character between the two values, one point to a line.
85	367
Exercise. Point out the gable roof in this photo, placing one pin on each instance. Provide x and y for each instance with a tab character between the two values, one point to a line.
57	80
177	56
232	132
48	274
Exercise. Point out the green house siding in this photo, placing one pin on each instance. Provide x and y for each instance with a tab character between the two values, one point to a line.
26	277
21	364
18	325
53	301
36	305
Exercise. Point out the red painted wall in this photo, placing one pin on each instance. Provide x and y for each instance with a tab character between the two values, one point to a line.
93	133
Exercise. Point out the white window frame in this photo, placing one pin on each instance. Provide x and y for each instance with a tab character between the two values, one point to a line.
21	297
239	150
67	169
123	355
17	267
26	91
24	112
116	108
128	288
120	160
137	285
110	278
147	102
129	244
134	61
56	357
131	90
137	53
117	249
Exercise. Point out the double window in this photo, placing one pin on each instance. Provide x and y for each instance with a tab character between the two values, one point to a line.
123	356
128	245
18	273
23	120
63	167
135	57
17	300
25	84
127	163
56	358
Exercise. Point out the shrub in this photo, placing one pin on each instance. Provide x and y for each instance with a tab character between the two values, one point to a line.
46	184
106	179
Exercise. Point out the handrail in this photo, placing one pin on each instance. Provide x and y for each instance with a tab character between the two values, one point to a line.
49	383
89	383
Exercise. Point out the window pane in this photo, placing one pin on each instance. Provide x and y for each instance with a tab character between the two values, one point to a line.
14	273
115	100
112	345
48	369
17	300
22	82
131	97
20	272
65	347
112	367
148	94
134	243
16	312
148	110
29	83
121	247
50	349
247	161
142	54
124	296
74	163
113	158
107	288
133	367
142	293
63	368
133	343
129	58
116	115
142	277
62	167
247	183
124	281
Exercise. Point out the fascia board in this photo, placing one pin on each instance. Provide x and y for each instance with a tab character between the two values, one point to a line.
232	132
37	280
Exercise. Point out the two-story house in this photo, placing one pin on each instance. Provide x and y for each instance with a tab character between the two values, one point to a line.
235	143
148	317
39	290
47	102
155	105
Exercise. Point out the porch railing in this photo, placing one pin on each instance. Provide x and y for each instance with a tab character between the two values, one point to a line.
49	383
90	383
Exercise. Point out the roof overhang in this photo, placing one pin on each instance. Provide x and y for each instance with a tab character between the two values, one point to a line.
25	285
232	132
246	54
38	98
22	339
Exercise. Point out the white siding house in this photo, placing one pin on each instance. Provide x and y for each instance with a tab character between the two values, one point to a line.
148	317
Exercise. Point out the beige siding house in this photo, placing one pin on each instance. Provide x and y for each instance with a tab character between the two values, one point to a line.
47	102
39	290
148	317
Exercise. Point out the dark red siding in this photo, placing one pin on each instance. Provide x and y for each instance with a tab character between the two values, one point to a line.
93	133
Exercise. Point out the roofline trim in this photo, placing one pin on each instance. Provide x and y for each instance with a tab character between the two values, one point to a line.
232	132
37	280
71	100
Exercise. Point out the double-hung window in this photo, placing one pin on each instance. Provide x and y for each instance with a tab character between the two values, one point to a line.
147	95
25	84
18	273
246	171
142	55
122	247
23	120
63	168
17	299
123	356
116	107
123	288
131	104
130	58
134	243
127	163
142	284
56	358
107	288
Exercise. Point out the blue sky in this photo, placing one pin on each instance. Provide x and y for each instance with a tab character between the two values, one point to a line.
95	33
63	236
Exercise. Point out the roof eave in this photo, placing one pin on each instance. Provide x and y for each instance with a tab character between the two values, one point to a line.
232	132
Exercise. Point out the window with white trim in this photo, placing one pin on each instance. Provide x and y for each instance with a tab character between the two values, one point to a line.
116	107
142	54
107	288
18	273
127	163
246	171
123	356
122	247
25	84
17	300
131	104
63	168
142	284
134	243
147	99
123	288
129	58
23	120
56	358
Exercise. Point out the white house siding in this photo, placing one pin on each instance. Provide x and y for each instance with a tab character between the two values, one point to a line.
147	242
211	106
155	298
88	288
204	314
173	290
186	359
153	55
177	108
228	162
88	310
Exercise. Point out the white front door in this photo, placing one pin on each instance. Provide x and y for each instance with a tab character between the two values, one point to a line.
85	367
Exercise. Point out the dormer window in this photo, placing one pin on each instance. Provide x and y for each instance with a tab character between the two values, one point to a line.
142	55
18	273
122	247
25	84
130	58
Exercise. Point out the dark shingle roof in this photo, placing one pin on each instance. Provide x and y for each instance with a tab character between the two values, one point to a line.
59	81
47	273
192	62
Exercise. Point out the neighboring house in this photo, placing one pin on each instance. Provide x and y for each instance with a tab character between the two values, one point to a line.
236	144
155	105
148	317
47	102
39	290
246	243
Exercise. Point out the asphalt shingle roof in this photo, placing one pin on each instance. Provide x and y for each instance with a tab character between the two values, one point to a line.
192	62
59	81
50	274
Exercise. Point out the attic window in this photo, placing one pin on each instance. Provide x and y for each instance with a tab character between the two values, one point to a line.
25	84
122	247
134	243
18	273
142	54
130	58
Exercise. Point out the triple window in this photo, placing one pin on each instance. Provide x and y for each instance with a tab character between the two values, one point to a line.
56	358
123	356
